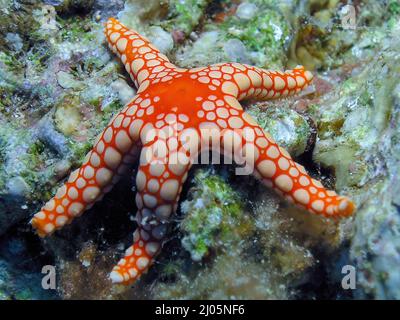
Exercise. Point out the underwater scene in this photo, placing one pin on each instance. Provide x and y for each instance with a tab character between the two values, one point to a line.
199	150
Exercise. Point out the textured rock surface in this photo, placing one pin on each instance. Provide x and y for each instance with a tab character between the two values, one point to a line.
233	238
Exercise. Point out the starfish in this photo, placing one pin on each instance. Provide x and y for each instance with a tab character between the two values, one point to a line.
174	117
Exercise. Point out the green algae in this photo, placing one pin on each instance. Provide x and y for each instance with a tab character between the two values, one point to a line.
16	26
182	16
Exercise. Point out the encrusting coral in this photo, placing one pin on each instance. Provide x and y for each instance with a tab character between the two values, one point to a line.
59	86
171	120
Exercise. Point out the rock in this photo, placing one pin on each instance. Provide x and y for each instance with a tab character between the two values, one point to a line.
125	91
229	278
357	129
14	41
289	129
205	50
261	41
108	8
67	81
20	280
233	238
236	51
40	136
210	215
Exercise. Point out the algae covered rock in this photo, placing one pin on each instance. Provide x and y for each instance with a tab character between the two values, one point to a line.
21	268
358	139
52	105
226	247
211	215
261	40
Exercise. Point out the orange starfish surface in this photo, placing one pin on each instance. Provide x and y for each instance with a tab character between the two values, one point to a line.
175	116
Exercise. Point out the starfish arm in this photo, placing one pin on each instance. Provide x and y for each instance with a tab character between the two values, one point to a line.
245	82
275	167
140	57
113	152
159	182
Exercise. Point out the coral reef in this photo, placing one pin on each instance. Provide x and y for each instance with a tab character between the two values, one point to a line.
258	36
59	86
210	215
358	139
52	106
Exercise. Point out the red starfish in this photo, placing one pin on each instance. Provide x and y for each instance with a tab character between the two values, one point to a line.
176	114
